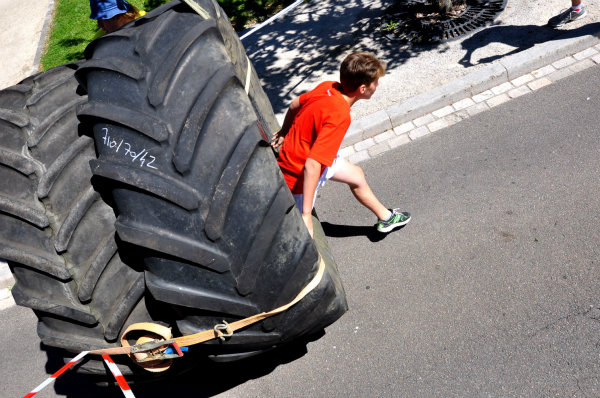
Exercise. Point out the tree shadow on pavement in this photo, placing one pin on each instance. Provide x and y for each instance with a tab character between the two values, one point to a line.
311	42
295	53
520	37
205	378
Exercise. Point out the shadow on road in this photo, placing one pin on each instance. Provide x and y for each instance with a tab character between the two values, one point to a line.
521	37
345	231
205	378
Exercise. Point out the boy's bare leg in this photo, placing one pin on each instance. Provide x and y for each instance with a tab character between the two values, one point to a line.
354	176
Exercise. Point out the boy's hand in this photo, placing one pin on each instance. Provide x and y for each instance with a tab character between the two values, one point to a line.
277	139
309	223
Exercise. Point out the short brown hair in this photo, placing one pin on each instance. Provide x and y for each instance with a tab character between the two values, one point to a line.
360	67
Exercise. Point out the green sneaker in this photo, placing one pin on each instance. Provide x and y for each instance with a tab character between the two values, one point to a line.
397	219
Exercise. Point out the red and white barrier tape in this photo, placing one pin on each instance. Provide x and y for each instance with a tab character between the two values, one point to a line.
55	375
111	365
114	369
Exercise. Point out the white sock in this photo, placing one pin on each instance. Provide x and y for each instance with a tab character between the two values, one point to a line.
577	8
390	216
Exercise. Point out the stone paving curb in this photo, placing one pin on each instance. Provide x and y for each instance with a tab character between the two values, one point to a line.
508	78
501	71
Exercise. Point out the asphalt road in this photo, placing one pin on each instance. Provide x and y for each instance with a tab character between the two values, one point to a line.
491	291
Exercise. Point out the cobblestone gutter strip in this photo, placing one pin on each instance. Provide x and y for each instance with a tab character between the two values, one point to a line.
442	107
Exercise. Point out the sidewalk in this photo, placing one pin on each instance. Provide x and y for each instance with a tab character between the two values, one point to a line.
24	25
295	53
425	89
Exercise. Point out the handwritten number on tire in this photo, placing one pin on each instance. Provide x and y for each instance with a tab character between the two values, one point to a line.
143	157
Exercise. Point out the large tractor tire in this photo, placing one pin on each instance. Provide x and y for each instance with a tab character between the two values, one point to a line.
56	232
174	107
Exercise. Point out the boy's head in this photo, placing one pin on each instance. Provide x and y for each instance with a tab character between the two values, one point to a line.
360	68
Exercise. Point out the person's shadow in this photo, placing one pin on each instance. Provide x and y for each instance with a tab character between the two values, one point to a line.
344	231
520	37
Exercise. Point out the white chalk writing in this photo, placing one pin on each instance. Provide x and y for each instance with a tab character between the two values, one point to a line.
143	157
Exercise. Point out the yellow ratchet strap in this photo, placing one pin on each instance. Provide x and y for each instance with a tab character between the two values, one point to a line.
148	349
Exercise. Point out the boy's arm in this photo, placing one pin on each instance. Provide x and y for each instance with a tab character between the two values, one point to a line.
287	123
312	172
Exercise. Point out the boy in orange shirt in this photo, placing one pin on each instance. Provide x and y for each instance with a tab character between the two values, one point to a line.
312	133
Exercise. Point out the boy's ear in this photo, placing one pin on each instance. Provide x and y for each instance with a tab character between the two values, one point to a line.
362	88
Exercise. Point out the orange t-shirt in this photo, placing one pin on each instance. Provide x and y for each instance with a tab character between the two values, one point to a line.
316	132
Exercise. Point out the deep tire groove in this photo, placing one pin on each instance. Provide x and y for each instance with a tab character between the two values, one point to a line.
261	243
106	252
40	131
158	184
17	161
50	85
120	311
74	218
116	37
188	139
34	261
138	121
168	242
228	182
118	64
54	170
158	94
24	212
16	118
201	298
41	303
149	36
302	257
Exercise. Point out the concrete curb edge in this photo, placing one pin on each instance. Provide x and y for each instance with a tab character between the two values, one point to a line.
42	41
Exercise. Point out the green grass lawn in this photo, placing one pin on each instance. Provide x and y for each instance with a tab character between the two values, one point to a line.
245	13
72	29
